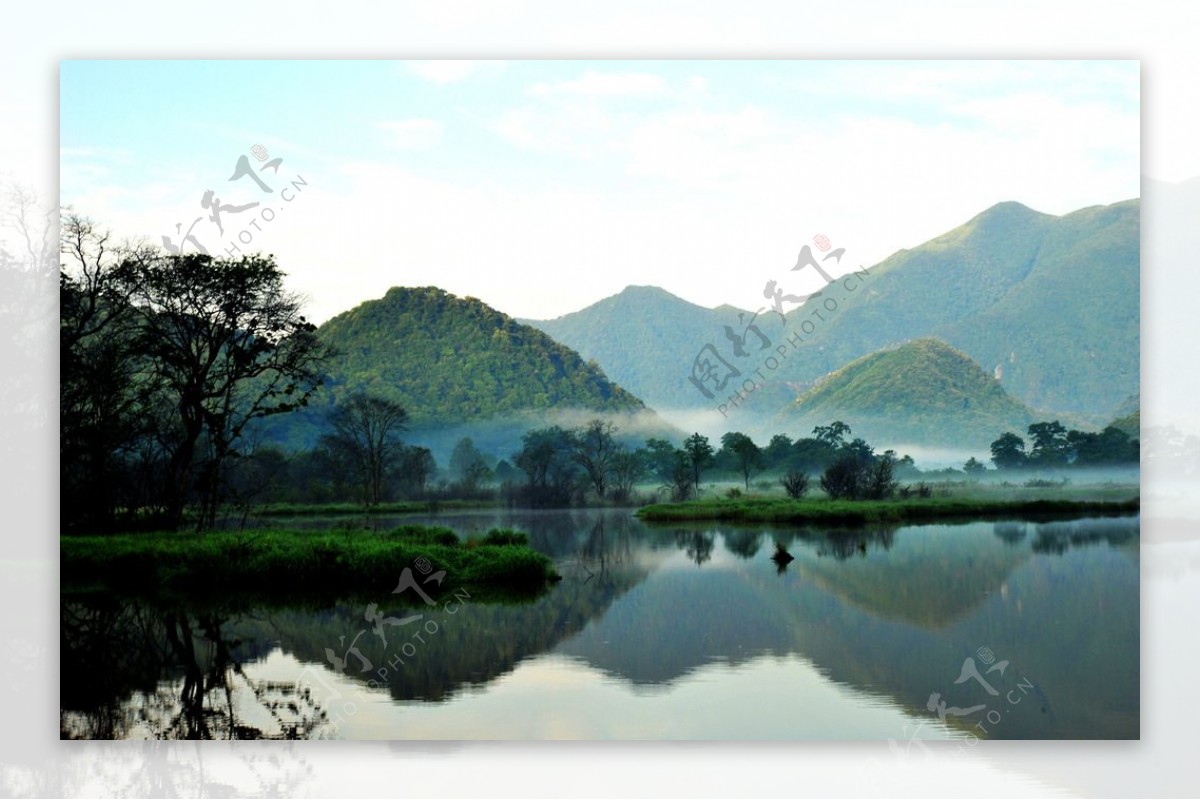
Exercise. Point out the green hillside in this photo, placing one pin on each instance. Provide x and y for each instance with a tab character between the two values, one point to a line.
448	360
923	391
1053	301
645	337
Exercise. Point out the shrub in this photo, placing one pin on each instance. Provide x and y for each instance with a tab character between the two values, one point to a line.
795	483
1045	483
841	478
504	536
878	481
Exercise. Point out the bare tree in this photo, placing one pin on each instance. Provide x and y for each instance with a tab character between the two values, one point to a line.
593	448
627	468
367	429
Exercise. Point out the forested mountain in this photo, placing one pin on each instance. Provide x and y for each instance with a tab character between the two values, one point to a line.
645	337
1051	304
459	369
920	392
449	360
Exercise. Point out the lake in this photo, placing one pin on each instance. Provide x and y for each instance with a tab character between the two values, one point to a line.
1002	630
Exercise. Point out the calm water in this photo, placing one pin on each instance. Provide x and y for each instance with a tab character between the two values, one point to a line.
1021	630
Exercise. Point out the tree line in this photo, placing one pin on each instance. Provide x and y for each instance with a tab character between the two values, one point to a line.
1052	445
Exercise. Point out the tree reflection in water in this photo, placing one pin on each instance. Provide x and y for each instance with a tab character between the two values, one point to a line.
122	649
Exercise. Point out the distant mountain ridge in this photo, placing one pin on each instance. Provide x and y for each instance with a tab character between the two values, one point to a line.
643	336
1050	304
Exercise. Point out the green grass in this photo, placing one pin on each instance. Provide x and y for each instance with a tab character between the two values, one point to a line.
285	563
357	509
861	512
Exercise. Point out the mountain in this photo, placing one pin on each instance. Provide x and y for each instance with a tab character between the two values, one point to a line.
645	337
460	369
1129	417
923	391
1051	301
449	360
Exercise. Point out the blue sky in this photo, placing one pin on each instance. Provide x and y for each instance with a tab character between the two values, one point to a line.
543	186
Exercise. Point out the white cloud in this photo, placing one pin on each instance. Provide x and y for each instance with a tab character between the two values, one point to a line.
412	134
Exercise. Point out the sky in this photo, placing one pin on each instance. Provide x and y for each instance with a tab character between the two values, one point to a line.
542	186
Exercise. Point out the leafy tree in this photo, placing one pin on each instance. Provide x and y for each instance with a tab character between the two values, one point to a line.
699	455
745	452
974	467
1050	447
834	434
547	459
859	450
231	346
1008	451
660	459
1110	446
811	455
594	447
367	431
777	451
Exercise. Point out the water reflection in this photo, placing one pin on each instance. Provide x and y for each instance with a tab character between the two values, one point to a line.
113	648
884	612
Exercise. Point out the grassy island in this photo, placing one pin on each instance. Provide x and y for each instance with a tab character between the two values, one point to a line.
861	512
289	562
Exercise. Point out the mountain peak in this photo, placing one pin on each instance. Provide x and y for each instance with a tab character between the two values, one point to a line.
643	289
450	359
1005	213
920	390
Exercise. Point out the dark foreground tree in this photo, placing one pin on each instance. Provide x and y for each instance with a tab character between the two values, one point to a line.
230	345
104	404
